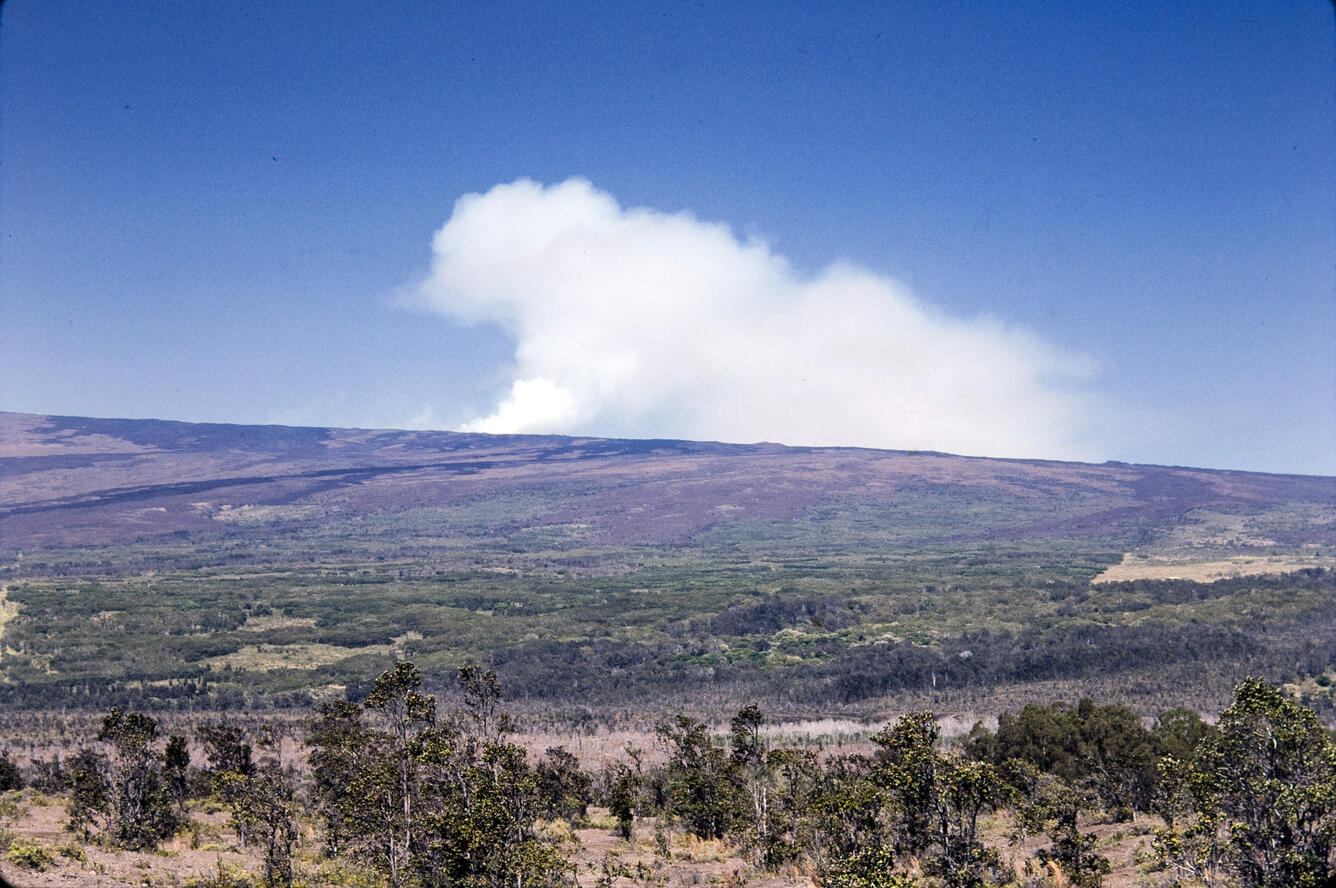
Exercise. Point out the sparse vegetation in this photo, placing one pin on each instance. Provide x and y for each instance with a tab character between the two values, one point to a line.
401	794
28	855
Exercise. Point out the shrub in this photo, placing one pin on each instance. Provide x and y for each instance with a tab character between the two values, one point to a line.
10	776
30	855
222	877
73	851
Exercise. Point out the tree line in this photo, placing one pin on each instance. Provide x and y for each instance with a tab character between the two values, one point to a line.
1145	634
426	798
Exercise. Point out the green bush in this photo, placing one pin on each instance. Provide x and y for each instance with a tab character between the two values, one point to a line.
30	855
222	877
11	805
73	851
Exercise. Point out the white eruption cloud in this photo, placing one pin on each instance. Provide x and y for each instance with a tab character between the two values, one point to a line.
634	322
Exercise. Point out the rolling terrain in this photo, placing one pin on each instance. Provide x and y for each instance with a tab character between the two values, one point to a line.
194	566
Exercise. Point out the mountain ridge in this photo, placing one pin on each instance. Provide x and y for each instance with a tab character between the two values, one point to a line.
248	456
7	418
223	565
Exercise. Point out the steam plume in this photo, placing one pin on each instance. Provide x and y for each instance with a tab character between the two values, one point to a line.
634	322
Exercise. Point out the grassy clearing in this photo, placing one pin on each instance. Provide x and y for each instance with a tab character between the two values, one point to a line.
1184	567
266	657
1210	545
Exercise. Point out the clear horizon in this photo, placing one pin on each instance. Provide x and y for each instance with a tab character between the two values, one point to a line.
1058	232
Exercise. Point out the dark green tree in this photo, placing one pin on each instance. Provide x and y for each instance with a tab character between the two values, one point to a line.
89	803
907	765
564	790
265	807
339	744
225	748
939	798
1053	805
228	755
481	798
1178	732
623	793
1104	747
1118	756
430	801
705	795
833	809
1263	790
366	777
482	701
10	776
175	772
140	810
266	802
755	773
965	790
388	782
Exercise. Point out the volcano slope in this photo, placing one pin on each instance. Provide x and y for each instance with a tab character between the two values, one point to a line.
167	565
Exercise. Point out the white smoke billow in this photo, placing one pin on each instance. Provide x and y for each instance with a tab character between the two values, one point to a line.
634	322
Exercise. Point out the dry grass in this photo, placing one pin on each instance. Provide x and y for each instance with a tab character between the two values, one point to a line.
1185	567
1213	545
274	620
264	657
254	516
44	823
595	849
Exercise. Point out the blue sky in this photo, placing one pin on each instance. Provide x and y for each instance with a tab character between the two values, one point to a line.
1073	230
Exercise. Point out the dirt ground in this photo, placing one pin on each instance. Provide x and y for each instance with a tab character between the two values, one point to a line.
646	860
43	820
